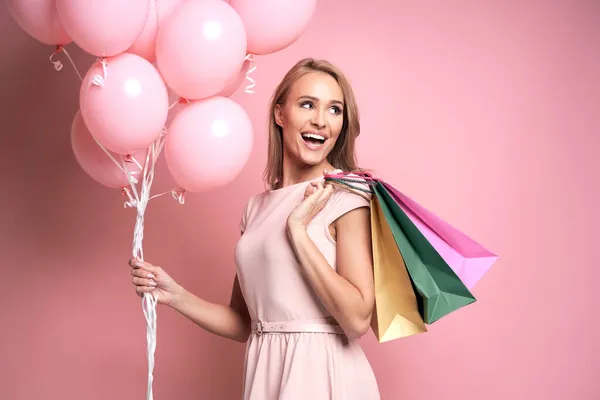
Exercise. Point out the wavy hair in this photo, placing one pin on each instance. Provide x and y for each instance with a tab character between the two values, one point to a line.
342	156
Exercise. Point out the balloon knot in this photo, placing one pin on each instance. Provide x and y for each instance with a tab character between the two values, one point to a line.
57	64
179	195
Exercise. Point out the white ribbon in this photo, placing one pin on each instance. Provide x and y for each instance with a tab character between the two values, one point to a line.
250	87
99	80
58	65
139	201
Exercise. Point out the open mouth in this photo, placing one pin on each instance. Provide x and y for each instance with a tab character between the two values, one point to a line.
313	139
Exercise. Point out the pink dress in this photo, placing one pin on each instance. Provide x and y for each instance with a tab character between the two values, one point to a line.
305	365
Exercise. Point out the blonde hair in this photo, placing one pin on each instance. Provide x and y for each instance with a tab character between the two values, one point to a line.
342	156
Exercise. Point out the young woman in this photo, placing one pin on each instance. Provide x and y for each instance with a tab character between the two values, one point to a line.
303	292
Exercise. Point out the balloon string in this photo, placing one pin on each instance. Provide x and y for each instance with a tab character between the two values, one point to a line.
130	159
119	165
181	100
149	307
177	194
250	87
58	65
99	80
139	201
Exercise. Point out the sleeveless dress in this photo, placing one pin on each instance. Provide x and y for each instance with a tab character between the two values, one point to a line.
304	365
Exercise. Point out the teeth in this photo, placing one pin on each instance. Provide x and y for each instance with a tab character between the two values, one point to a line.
313	136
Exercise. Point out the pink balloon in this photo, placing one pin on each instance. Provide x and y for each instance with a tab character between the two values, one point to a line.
208	143
104	27
128	110
200	47
235	81
95	162
272	25
39	19
145	44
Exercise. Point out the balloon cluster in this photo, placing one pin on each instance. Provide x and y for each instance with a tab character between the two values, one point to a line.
200	50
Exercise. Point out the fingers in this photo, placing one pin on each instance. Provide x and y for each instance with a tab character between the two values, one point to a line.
143	282
141	277
310	189
144	265
320	198
140	290
142	273
135	263
316	185
326	193
321	194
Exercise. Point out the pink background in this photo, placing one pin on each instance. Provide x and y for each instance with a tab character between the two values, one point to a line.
485	112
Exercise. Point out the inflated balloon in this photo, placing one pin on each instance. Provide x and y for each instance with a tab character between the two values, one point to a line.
104	27
208	143
39	19
127	108
145	44
235	81
200	47
272	25
95	162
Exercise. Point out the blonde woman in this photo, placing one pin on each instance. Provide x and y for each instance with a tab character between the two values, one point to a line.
303	293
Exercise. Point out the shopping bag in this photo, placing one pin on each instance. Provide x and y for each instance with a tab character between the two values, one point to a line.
440	259
467	258
441	290
396	314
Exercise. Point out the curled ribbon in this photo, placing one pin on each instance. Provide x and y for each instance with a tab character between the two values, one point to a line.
250	87
99	80
179	195
57	64
132	202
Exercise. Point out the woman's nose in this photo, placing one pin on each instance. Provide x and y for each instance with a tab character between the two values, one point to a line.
318	118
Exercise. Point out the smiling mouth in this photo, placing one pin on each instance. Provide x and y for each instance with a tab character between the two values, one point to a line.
313	139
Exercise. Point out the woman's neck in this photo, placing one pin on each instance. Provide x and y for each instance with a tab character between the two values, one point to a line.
294	173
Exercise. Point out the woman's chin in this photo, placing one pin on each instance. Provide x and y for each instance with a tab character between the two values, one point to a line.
312	160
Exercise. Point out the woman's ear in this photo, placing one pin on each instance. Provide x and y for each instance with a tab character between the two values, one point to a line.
278	115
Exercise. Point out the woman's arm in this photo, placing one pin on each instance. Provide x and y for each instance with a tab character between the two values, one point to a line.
348	294
231	322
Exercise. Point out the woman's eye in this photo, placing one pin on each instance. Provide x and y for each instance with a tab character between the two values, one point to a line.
336	110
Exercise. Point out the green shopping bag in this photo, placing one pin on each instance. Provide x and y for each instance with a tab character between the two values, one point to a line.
440	291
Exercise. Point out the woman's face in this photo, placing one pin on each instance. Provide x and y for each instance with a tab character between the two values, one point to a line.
311	118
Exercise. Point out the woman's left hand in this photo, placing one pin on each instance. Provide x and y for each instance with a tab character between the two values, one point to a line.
315	197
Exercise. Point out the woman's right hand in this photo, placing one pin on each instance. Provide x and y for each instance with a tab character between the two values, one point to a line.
148	278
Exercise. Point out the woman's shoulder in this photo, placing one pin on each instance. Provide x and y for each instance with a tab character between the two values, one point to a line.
351	182
252	201
255	201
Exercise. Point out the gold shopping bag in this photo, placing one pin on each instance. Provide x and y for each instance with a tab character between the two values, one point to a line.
396	312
